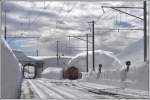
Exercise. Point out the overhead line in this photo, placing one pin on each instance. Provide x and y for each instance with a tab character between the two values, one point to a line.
115	8
39	14
21	37
123	7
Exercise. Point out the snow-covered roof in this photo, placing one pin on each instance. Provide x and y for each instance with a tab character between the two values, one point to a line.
52	73
46	57
52	69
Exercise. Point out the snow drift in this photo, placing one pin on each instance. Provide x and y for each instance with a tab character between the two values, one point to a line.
108	60
52	73
11	75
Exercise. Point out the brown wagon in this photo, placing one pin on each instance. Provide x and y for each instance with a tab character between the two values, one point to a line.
72	73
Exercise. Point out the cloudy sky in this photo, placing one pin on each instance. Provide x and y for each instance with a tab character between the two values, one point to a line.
52	21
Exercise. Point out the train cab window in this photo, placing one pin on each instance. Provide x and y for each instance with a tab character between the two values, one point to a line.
29	71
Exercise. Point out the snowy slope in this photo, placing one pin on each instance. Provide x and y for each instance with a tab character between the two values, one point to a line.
11	75
108	60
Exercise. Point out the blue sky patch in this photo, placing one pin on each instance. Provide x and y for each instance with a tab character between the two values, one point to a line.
122	24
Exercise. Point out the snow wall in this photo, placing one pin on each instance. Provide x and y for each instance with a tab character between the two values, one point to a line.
138	75
52	73
11	75
108	60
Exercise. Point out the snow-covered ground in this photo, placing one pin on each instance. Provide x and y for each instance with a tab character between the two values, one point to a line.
93	85
113	69
66	89
52	73
107	85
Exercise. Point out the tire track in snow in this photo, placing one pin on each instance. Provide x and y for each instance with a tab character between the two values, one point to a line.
65	94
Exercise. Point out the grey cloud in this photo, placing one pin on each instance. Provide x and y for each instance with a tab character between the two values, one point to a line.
15	8
44	21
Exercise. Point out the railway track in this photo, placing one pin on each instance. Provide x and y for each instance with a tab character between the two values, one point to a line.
62	89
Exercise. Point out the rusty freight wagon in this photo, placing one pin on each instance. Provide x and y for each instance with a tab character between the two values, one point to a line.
72	73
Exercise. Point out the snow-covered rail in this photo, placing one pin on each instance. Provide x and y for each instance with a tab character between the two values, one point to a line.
65	89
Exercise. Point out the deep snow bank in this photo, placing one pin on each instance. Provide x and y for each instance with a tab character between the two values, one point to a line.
136	78
138	74
108	60
52	73
11	75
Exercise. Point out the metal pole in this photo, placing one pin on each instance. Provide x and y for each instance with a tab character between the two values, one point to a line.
37	52
93	47
87	69
57	53
145	31
5	27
